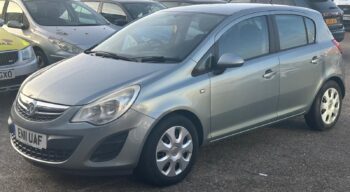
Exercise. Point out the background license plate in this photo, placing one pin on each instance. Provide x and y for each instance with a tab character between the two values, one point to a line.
30	138
331	21
8	74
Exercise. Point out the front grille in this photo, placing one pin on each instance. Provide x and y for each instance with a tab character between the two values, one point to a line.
57	150
10	82
33	110
345	8
8	58
109	148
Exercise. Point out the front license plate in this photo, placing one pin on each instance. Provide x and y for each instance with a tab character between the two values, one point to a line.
8	74
331	21
36	140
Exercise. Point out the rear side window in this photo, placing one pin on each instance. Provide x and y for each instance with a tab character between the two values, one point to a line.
2	3
247	39
93	5
291	31
311	30
283	2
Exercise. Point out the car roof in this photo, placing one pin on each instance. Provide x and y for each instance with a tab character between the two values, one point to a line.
232	8
195	1
125	1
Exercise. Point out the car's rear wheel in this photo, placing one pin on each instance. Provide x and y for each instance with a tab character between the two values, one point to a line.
169	152
325	110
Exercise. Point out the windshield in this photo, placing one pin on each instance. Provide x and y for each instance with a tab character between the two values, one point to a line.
139	10
63	13
168	35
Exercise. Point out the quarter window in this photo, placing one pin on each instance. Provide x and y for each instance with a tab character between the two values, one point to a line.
114	13
247	39
311	30
93	5
2	3
291	31
14	13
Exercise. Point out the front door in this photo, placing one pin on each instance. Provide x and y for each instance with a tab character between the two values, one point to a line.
246	96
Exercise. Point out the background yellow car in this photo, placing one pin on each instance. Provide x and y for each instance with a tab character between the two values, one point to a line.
17	60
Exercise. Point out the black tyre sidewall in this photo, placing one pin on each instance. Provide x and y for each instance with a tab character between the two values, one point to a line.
147	168
40	53
314	118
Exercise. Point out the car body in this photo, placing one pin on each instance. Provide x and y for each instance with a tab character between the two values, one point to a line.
54	35
122	12
17	61
207	72
332	14
177	3
345	6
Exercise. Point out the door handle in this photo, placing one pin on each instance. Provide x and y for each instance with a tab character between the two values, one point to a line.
314	60
269	74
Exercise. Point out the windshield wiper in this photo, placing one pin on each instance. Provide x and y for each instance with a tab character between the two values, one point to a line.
157	59
109	55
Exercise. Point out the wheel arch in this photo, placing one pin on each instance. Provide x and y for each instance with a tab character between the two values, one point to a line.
340	83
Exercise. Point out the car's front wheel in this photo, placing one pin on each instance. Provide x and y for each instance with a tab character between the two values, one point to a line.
325	110
169	152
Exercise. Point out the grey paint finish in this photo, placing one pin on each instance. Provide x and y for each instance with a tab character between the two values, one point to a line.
238	100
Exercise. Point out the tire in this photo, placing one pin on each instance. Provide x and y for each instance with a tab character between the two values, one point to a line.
150	171
41	57
330	99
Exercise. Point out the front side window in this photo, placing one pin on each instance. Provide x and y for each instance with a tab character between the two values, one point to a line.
247	39
93	5
291	31
170	4
114	13
63	13
14	13
161	37
139	10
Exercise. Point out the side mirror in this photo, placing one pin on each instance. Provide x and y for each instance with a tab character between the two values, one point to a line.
226	61
16	25
120	22
2	22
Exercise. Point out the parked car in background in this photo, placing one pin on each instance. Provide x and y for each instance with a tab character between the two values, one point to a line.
345	6
177	3
17	60
122	12
332	14
57	29
145	102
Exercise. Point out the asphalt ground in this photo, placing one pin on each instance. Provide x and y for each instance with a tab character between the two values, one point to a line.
284	157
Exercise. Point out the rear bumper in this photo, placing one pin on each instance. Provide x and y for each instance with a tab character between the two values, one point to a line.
338	34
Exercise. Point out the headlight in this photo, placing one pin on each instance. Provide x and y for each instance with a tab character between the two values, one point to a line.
64	46
27	54
108	108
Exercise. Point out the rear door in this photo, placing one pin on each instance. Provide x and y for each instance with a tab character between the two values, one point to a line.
300	63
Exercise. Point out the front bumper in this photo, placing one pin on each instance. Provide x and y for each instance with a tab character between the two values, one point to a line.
21	70
89	138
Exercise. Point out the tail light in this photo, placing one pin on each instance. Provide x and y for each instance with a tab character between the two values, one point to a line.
337	44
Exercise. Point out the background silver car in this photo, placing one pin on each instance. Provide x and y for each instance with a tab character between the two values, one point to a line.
150	95
57	29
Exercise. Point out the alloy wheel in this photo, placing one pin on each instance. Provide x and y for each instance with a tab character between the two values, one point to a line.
330	105
174	151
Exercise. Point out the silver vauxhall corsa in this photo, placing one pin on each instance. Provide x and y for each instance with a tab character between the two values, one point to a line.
57	29
148	97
